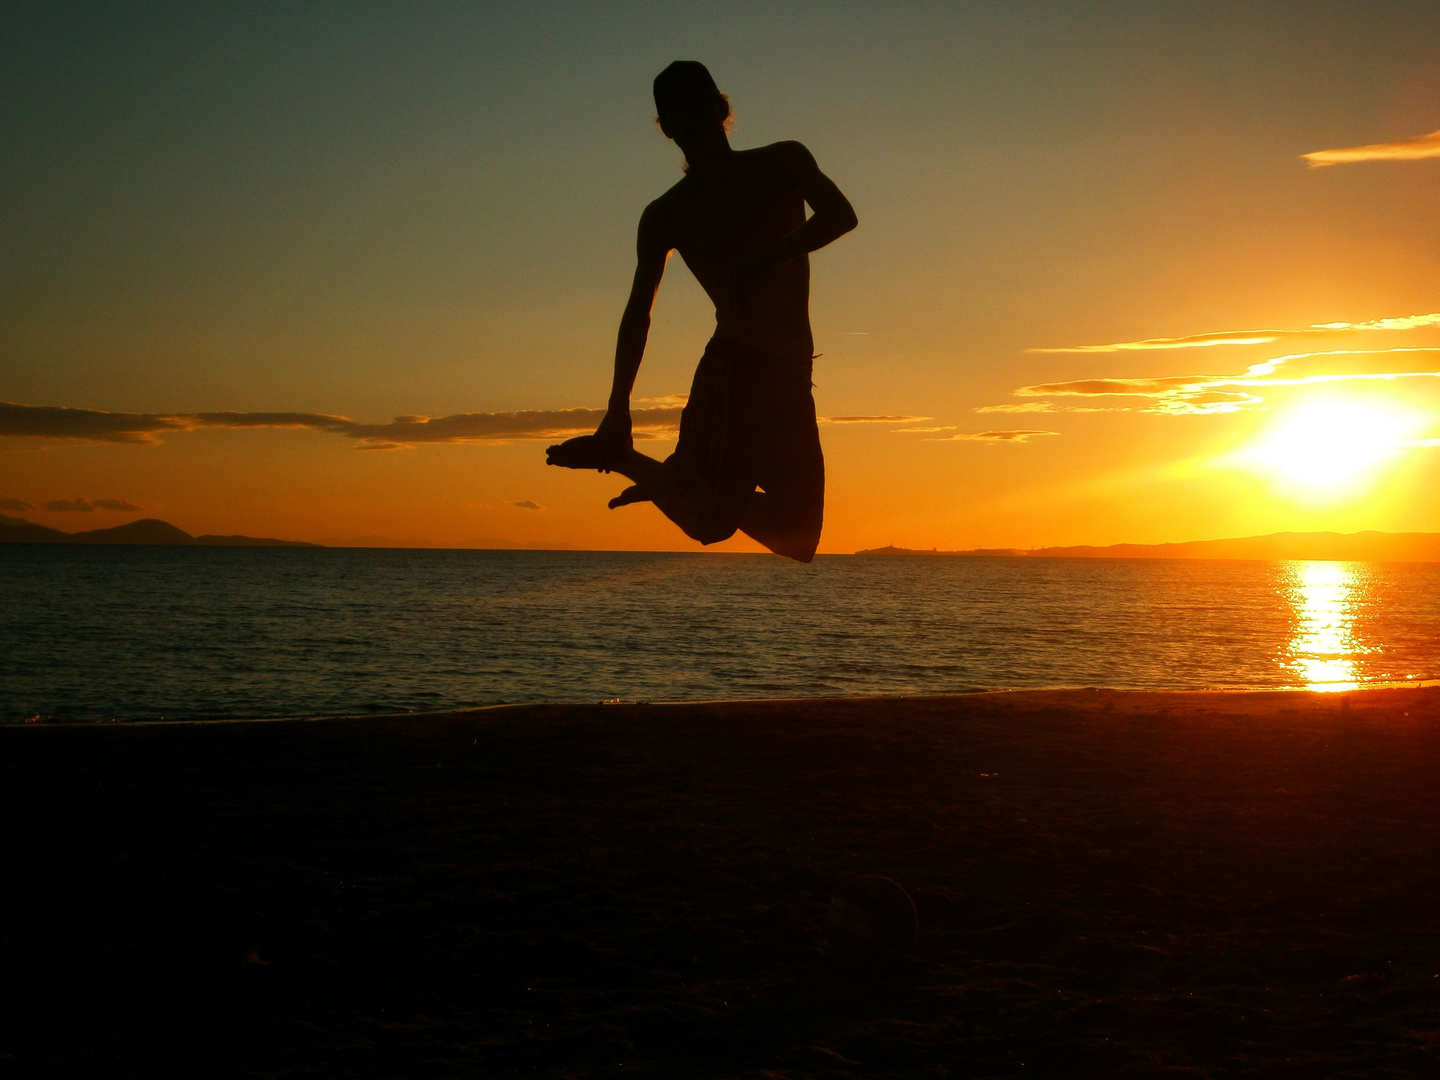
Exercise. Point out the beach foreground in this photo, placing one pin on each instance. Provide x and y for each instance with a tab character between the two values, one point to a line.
1108	883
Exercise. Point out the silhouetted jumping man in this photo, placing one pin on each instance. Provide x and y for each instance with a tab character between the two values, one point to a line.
738	220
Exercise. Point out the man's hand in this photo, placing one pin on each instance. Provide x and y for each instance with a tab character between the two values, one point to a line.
603	451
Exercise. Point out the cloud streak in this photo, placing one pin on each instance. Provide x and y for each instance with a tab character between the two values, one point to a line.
870	419
1252	337
993	436
1201	395
1041	407
1421	146
93	425
83	506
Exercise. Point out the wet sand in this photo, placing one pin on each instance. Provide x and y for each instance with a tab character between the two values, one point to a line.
1108	884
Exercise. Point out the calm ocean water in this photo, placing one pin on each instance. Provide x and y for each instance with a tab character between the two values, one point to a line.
142	633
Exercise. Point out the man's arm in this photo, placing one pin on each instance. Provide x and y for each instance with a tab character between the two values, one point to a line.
652	249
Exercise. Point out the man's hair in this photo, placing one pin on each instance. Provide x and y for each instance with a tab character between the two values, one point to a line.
687	84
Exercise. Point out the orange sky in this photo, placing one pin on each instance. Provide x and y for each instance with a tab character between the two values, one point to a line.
337	215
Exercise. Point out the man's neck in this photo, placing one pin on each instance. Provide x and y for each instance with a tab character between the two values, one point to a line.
707	155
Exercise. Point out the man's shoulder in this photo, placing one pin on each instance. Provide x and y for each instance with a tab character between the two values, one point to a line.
788	152
668	200
789	160
659	218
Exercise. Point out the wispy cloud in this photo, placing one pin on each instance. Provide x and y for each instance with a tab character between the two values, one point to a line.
659	419
1041	407
870	419
15	504
1191	395
664	399
1421	146
85	506
526	504
93	425
1252	337
993	436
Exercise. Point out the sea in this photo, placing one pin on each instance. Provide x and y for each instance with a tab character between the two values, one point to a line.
105	634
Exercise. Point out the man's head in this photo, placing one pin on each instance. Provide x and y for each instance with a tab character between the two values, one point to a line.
688	101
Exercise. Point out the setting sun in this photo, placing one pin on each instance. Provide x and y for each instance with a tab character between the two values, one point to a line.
1331	445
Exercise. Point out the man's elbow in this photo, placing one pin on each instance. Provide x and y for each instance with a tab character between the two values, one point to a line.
843	219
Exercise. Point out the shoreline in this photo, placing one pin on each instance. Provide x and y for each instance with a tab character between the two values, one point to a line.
1055	697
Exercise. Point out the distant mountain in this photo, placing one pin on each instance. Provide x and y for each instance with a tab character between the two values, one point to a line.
20	531
149	531
973	553
1344	547
1341	547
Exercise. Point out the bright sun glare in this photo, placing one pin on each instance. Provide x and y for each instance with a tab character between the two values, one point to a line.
1331	445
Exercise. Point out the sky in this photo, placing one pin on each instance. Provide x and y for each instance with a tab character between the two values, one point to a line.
339	271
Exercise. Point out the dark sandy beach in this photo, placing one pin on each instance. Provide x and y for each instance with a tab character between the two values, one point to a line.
1108	884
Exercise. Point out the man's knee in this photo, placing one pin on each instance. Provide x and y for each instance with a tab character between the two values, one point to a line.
799	546
711	532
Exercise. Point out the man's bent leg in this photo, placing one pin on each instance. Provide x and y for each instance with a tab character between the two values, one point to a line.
787	515
784	527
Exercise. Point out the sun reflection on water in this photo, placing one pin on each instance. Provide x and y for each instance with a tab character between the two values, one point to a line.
1324	648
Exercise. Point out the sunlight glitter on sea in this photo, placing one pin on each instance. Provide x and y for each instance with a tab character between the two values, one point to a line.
1324	647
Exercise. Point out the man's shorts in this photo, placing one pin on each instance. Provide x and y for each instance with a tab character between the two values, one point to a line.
749	422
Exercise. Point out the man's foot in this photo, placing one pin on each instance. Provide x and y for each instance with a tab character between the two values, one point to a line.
581	452
631	494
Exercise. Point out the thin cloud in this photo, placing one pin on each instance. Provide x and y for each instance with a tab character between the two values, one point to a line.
1252	337
664	399
93	425
1202	395
15	504
526	504
85	506
505	427
1421	146
870	419
1043	407
994	436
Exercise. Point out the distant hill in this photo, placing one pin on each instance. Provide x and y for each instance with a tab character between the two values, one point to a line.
151	531
1348	547
1344	547
973	553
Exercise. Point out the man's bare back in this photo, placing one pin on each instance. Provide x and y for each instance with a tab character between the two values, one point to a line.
722	222
738	220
